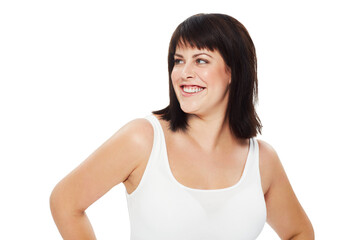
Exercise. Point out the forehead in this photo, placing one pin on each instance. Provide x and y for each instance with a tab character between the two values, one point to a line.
181	49
193	45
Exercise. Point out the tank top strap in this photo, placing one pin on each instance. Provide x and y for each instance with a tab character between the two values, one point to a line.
253	157
157	140
256	151
253	170
158	152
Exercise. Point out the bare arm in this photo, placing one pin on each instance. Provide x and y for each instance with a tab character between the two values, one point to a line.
109	165
284	212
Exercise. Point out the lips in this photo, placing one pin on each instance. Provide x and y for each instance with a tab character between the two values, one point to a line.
191	85
191	90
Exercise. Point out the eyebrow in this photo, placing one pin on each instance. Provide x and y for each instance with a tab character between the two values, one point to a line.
194	56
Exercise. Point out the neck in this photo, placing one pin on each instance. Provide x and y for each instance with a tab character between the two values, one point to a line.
211	133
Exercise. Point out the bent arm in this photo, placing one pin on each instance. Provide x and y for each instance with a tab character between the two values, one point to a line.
284	212
109	165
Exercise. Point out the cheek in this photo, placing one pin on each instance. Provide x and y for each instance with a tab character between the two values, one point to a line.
213	76
174	79
174	75
217	81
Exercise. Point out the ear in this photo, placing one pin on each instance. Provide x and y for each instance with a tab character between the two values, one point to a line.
228	71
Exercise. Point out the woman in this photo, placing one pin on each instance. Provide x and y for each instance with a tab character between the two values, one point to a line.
193	170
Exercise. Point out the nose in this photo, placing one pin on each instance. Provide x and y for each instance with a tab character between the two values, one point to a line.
187	71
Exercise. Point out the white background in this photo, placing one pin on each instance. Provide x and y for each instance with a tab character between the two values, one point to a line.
73	72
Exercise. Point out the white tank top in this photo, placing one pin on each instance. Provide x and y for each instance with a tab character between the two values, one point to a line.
161	208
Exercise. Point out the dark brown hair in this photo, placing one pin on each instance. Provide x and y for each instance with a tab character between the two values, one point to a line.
228	36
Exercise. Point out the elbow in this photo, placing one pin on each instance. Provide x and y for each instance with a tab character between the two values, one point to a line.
310	234
56	203
306	234
53	201
61	206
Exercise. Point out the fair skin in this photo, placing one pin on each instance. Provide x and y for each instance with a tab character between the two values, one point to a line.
208	140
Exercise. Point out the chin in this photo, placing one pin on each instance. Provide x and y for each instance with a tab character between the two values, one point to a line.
190	107
190	110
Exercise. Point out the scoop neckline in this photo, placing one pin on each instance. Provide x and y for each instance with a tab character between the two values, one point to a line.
242	177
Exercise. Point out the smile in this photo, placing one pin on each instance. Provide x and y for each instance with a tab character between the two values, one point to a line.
191	90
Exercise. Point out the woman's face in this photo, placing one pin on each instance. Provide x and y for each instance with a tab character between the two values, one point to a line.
201	81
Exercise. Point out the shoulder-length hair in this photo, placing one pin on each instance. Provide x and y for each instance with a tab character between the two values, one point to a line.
228	36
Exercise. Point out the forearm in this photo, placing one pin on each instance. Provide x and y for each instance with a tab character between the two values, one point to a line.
74	226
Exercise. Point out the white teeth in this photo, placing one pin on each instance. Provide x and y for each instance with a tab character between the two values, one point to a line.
192	89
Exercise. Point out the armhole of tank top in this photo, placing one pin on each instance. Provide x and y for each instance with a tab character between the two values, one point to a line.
148	164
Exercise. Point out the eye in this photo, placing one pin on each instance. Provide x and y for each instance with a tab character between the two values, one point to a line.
178	61
201	61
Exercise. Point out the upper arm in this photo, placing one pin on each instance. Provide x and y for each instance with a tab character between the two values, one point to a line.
284	212
106	167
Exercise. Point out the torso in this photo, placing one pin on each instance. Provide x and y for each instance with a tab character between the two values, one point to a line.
196	169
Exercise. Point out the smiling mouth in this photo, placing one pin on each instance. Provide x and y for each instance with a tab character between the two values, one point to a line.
191	89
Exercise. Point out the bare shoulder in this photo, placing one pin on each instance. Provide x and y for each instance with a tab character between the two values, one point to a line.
126	149
137	136
269	162
267	151
139	132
